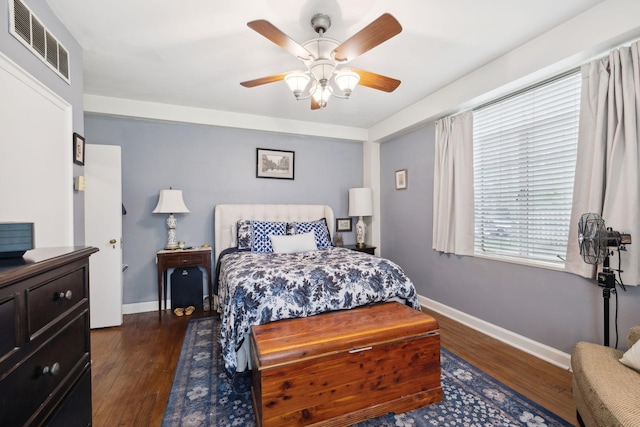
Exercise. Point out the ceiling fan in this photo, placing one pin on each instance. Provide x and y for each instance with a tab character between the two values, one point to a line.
323	58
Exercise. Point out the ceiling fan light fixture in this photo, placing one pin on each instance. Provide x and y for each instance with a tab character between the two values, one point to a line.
322	69
347	80
321	55
321	94
297	82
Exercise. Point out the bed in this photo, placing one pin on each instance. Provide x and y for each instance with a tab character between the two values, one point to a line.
265	279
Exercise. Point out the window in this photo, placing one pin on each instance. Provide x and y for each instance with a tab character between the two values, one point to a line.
524	162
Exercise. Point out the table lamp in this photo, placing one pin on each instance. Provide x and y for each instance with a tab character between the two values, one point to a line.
170	201
360	204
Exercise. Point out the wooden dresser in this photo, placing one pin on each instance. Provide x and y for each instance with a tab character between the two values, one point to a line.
45	361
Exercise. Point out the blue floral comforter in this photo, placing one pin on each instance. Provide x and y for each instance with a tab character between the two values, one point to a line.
261	288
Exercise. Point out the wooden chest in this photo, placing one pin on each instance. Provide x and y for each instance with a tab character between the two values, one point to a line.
339	368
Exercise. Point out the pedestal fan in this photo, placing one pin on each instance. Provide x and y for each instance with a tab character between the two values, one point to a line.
595	239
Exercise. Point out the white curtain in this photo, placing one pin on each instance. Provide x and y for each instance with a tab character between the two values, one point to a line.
453	185
607	177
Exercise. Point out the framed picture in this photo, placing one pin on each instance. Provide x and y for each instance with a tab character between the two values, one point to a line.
78	149
401	179
275	164
343	224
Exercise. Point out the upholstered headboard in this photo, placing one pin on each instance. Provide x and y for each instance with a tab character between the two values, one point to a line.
226	216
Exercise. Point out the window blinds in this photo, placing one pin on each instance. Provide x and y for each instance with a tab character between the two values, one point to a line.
524	163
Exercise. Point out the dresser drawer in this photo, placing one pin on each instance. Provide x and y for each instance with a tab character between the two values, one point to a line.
76	409
190	260
30	386
49	300
9	331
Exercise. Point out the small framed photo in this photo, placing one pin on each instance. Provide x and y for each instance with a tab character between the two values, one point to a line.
343	224
78	149
275	164
401	179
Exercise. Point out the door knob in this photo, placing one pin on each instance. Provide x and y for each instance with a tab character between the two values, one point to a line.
113	242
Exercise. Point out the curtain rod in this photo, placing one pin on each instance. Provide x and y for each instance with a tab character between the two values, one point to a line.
527	89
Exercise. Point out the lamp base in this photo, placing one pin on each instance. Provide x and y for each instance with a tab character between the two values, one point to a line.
360	230
172	241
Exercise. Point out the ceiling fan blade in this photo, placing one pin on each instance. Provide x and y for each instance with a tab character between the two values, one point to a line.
377	81
379	31
264	80
315	105
268	30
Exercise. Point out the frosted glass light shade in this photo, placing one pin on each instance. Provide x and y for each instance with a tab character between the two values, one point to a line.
170	201
297	82
347	81
360	202
321	94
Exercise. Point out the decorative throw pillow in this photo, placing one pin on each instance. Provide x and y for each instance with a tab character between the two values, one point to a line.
243	227
319	227
295	243
631	357
260	232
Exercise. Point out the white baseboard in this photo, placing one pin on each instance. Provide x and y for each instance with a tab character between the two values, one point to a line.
142	307
542	351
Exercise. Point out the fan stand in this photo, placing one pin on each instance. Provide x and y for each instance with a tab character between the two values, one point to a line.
606	280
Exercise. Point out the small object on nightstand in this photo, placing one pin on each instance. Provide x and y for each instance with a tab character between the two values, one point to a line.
338	239
366	249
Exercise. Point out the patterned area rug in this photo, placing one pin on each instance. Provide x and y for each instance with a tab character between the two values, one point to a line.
203	395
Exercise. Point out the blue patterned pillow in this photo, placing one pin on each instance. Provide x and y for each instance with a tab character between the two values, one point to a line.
319	227
261	230
244	234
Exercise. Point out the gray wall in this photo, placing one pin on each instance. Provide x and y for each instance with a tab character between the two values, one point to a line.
554	308
19	54
211	165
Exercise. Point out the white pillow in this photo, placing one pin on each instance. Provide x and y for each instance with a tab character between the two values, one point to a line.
293	243
632	357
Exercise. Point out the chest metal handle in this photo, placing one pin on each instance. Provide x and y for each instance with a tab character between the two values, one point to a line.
358	350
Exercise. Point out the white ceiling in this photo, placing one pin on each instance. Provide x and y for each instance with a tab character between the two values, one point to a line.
196	52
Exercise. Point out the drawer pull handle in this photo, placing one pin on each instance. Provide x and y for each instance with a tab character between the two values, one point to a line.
358	350
66	295
53	370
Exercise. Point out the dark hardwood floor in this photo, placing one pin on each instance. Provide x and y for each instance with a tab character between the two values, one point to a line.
133	368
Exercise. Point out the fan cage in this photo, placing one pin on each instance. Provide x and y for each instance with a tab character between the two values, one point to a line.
593	239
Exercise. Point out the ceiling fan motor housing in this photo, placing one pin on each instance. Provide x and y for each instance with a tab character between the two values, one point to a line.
320	22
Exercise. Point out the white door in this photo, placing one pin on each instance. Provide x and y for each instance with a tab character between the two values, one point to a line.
103	230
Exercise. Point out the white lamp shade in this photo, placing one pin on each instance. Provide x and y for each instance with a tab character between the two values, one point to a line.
347	81
360	202
321	94
297	81
170	201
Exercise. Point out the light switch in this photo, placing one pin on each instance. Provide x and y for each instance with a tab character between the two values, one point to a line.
78	183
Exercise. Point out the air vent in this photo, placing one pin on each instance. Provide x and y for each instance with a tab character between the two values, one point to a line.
26	27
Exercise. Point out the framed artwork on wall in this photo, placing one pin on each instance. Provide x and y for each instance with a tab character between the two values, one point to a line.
78	149
343	224
277	164
401	179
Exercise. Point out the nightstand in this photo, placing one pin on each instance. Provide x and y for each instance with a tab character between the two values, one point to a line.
181	258
366	249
